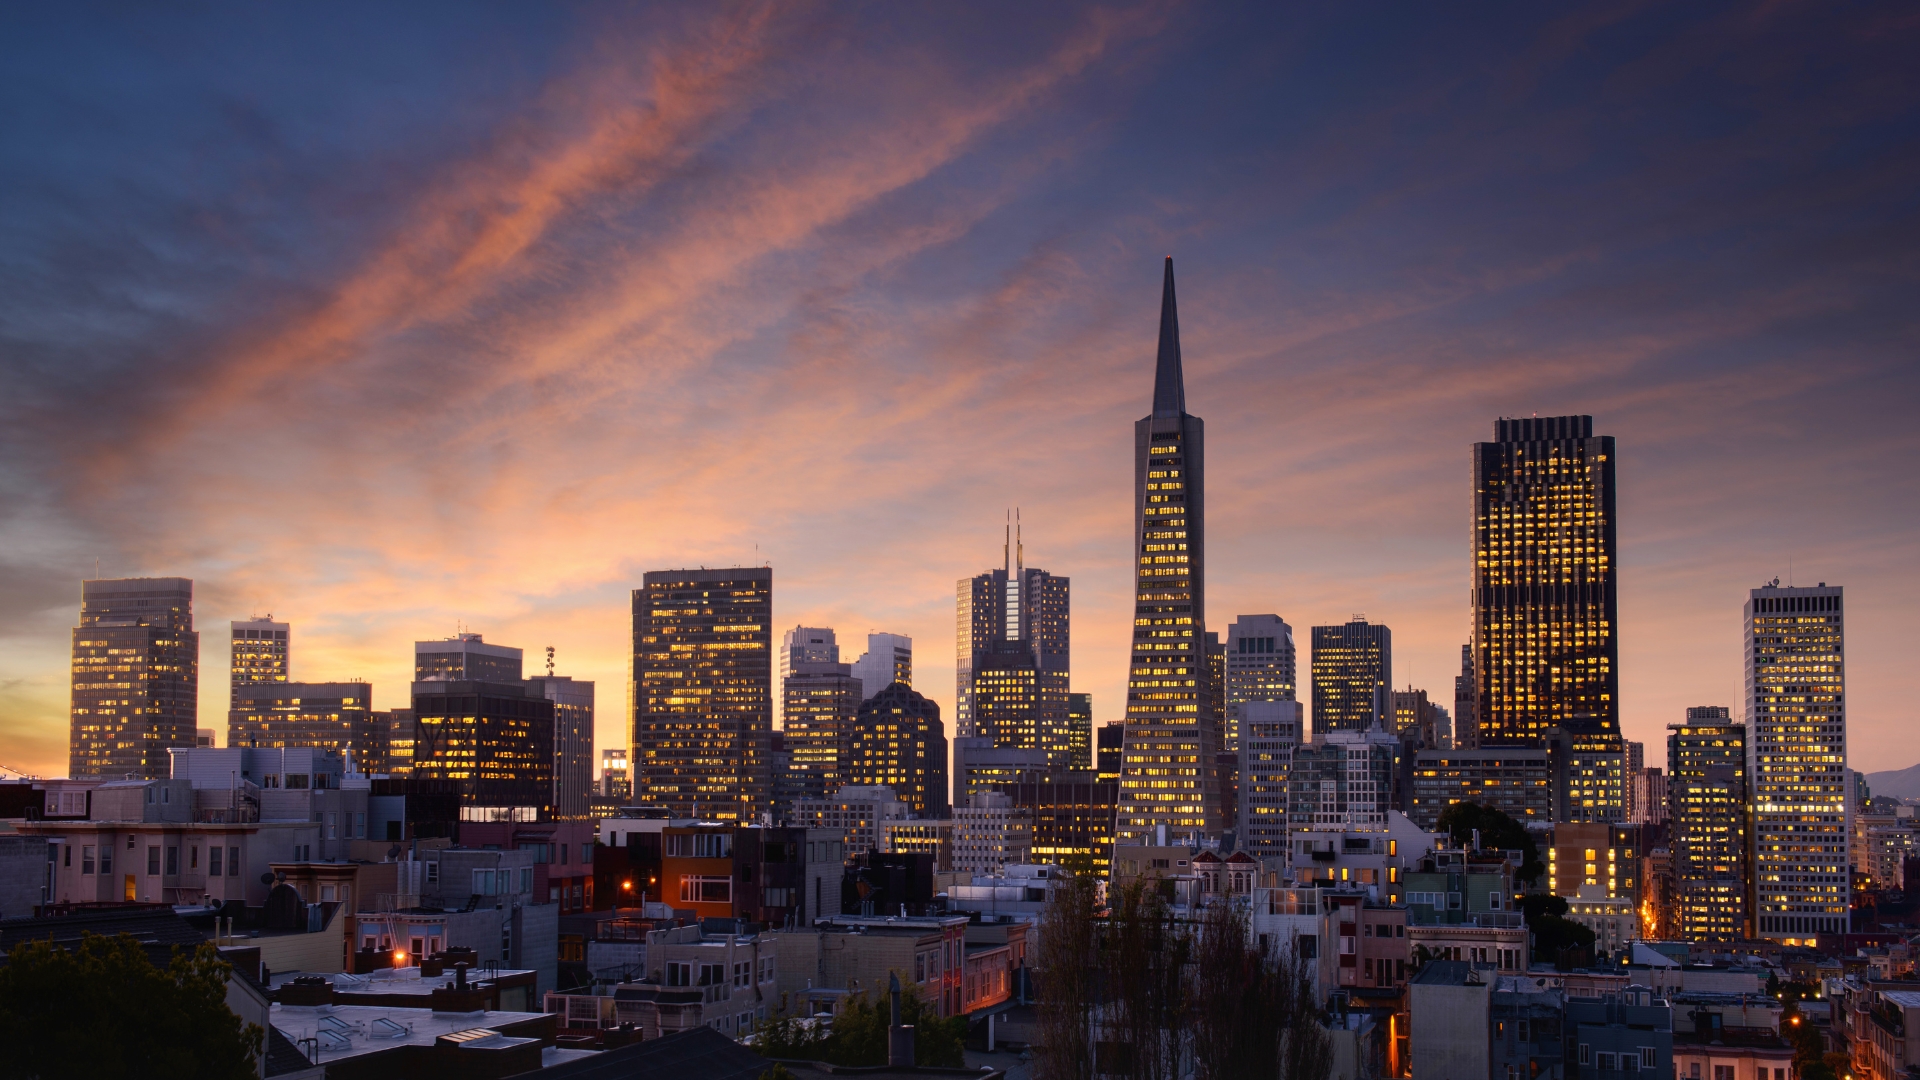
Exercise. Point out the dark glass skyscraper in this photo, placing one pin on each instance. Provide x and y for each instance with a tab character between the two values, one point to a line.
1352	677
136	677
1169	776
1545	615
703	692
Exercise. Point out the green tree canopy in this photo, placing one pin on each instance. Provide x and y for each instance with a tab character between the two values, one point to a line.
1497	831
103	1009
858	1033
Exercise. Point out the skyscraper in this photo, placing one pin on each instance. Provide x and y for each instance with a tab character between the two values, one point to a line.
1797	761
1169	776
1080	732
136	677
572	741
259	654
888	660
1270	731
1352	677
328	716
900	742
819	698
1419	721
1260	666
492	740
465	658
1011	671
703	693
1545	616
1708	825
1466	723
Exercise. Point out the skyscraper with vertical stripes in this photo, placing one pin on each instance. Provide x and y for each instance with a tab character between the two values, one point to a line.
1797	762
1170	775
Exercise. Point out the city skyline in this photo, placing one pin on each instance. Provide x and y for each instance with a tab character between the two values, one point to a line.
960	303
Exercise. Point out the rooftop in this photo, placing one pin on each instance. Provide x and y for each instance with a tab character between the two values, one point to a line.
339	1032
406	980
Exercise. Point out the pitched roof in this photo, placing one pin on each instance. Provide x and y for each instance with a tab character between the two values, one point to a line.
282	1056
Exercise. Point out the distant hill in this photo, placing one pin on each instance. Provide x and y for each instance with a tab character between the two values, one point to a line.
1899	783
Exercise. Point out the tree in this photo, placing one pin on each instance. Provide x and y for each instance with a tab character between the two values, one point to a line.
1552	931
1066	970
103	1009
857	1035
1252	1016
1144	962
1497	831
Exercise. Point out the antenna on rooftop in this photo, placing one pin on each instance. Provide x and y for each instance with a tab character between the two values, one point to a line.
549	661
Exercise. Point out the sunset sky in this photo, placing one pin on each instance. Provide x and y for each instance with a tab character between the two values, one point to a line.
396	319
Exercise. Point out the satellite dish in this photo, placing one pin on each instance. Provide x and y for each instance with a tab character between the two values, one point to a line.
266	878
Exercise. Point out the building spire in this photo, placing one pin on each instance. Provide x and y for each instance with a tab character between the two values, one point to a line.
1169	388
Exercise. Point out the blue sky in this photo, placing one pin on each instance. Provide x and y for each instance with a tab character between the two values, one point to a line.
387	319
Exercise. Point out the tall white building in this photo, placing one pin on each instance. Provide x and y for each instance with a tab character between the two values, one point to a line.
888	660
1270	732
1260	665
1797	761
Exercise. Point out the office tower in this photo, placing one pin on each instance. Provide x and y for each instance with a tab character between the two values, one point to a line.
1516	780
1708	825
1110	752
259	654
202	738
819	698
1352	677
615	781
1169	778
1797	761
401	730
1080	732
1546	647
136	677
979	766
325	716
1270	731
1343	779
888	660
703	700
1419	721
1466	723
1215	709
492	740
572	741
899	742
809	645
1012	643
1260	665
1072	818
465	658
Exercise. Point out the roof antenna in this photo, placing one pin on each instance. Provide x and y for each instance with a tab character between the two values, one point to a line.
549	661
1006	546
1020	547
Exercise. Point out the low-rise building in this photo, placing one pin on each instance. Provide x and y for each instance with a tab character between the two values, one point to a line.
1613	920
1629	1031
855	954
1451	1006
1730	1037
1525	1018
